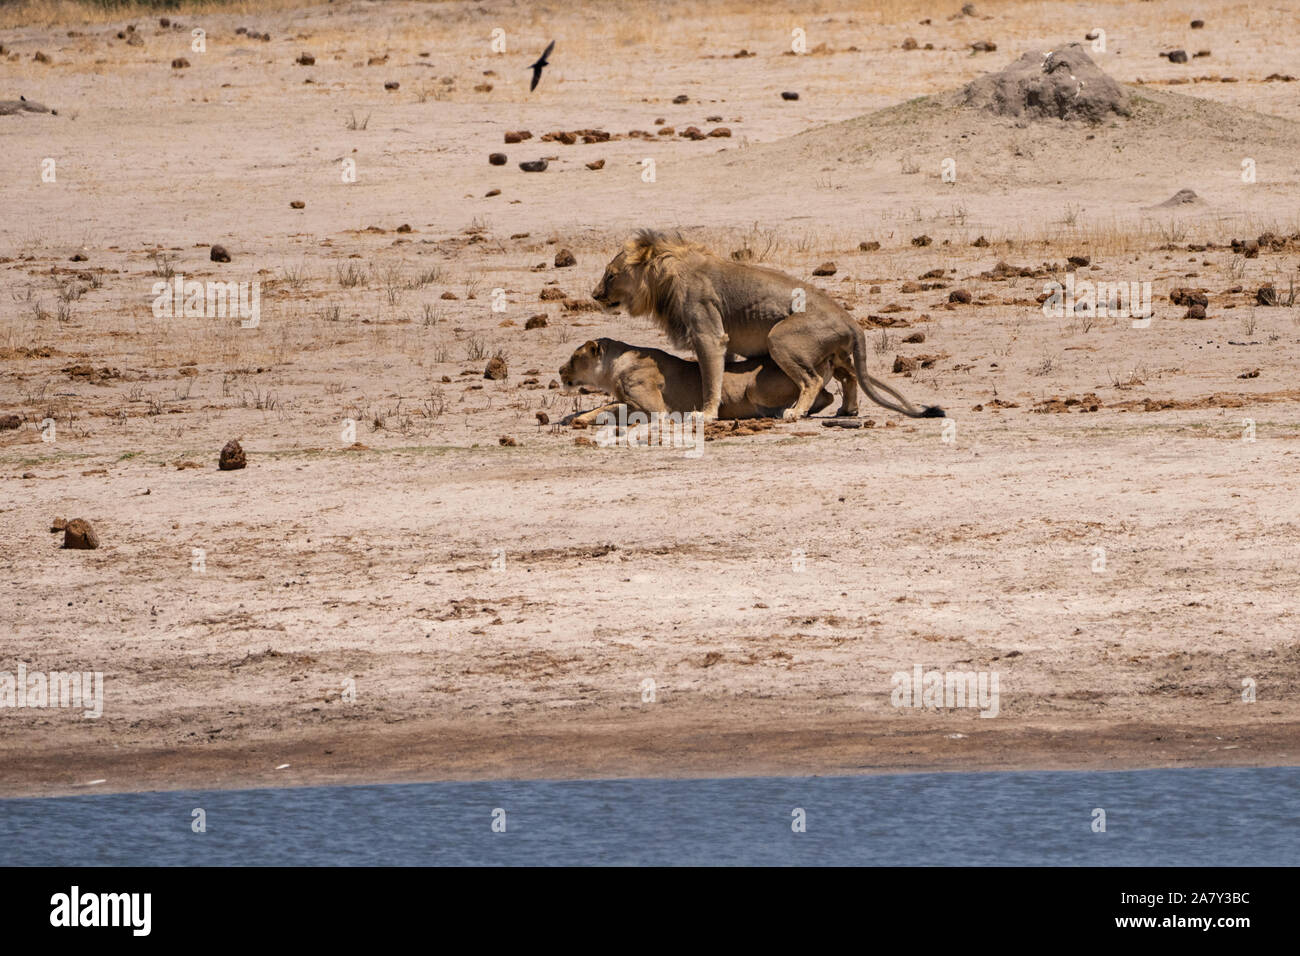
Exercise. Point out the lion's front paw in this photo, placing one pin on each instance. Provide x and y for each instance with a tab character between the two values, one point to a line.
790	414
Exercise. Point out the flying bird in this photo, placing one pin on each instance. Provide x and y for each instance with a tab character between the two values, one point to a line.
537	67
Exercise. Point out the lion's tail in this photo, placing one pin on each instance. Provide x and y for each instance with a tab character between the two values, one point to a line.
870	385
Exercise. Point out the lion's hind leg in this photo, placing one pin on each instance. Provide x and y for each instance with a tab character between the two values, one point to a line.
848	379
785	347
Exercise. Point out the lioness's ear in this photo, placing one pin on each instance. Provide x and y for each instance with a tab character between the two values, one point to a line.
590	347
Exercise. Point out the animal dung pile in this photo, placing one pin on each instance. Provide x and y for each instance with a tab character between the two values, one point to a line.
1061	84
232	457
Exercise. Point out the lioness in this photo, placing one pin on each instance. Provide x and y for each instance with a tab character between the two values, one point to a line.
651	380
713	305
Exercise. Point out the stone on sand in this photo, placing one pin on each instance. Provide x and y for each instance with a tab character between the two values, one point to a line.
79	535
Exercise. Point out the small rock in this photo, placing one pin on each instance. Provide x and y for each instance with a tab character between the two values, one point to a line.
232	457
825	269
392	85
497	159
305	59
543	418
983	46
79	535
1079	261
180	63
789	95
1176	56
58	524
535	322
598	164
921	240
297	204
507	441
1182	296
1195	312
681	98
980	243
872	246
910	43
492	192
960	295
915	338
534	166
564	258
219	254
1198	24
518	136
496	369
9	422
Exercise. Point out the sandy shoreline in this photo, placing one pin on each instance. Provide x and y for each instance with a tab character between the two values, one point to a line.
650	748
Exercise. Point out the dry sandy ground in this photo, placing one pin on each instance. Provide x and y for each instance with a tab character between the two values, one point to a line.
769	588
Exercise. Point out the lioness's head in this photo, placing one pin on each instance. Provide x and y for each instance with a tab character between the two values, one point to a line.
619	285
581	367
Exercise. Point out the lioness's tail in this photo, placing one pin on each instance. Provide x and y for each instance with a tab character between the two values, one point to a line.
869	385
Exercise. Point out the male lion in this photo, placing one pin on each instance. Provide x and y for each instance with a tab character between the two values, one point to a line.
651	380
713	305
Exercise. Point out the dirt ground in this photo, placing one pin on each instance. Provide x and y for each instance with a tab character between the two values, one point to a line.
1108	518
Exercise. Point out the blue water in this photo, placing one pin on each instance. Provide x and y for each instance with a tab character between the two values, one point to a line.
1246	817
